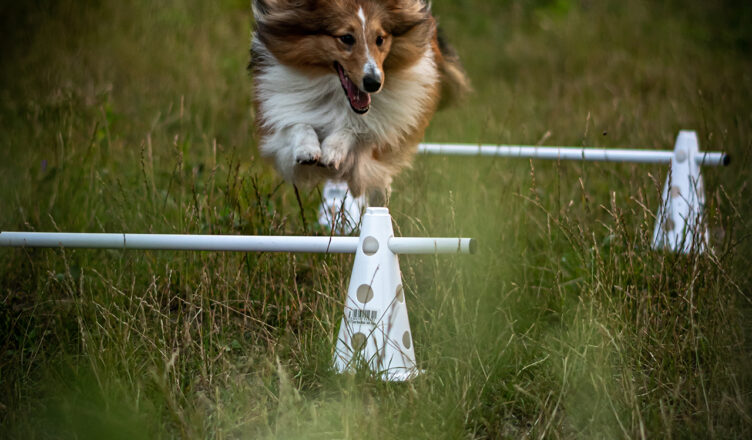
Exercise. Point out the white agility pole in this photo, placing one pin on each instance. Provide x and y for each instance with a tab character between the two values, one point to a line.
229	243
375	329
569	153
175	242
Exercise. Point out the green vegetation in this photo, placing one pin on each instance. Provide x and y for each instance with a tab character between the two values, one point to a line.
135	116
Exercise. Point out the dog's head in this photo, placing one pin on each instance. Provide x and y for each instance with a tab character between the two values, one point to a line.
360	41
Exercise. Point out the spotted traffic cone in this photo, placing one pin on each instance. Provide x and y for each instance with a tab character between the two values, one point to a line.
679	224
339	210
375	329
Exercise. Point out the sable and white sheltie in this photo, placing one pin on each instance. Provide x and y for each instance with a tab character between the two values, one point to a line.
344	89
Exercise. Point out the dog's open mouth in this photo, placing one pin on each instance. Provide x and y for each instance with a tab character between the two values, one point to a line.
360	101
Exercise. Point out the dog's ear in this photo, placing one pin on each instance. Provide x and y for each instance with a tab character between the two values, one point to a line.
264	8
260	8
413	27
405	15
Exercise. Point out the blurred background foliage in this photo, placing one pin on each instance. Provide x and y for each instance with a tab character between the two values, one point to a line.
136	116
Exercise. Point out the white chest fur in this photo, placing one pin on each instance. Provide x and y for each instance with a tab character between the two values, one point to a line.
288	97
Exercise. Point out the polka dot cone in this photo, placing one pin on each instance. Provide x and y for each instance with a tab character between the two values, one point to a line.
375	328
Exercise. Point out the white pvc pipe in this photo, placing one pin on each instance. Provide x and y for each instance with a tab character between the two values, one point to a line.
240	243
569	153
407	245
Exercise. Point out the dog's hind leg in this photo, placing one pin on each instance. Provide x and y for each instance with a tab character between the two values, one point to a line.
371	177
379	196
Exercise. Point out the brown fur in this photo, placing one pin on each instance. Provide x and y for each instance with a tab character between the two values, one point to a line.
303	34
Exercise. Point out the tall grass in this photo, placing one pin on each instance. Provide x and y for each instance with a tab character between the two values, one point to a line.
132	116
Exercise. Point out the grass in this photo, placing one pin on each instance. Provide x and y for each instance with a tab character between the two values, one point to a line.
131	116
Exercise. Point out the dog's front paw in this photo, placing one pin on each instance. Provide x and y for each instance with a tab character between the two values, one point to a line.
306	142
335	148
307	157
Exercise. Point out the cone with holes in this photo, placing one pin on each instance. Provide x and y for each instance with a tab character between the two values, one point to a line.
679	225
339	210
375	329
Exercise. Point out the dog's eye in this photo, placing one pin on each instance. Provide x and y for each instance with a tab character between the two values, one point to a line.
347	39
379	40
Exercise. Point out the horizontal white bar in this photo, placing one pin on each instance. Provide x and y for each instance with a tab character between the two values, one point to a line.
568	153
239	243
409	245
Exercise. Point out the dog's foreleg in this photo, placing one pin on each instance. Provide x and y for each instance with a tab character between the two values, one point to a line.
305	142
290	147
335	147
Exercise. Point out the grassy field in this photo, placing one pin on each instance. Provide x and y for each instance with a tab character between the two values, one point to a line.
135	116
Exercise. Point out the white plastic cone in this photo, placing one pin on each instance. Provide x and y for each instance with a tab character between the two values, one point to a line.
679	225
375	328
339	210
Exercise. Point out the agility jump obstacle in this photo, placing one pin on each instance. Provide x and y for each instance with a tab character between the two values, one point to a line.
679	223
375	328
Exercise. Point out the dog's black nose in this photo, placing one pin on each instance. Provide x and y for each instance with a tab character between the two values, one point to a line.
371	83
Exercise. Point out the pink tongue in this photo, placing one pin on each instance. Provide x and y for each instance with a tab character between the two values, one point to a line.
358	99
